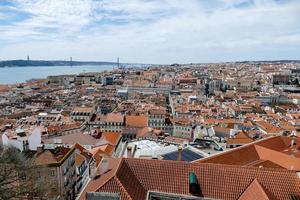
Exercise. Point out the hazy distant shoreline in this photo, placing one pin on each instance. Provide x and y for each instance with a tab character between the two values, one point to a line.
55	63
47	63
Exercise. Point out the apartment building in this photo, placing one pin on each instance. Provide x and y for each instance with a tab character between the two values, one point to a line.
182	128
82	113
112	122
56	168
157	119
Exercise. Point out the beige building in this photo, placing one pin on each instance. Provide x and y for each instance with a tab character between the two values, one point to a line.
56	168
112	122
182	128
82	113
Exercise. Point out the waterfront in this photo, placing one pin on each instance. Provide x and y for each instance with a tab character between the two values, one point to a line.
12	75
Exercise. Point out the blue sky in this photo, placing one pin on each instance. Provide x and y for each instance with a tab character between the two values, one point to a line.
150	31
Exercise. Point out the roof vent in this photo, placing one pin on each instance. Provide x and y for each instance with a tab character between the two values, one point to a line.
193	183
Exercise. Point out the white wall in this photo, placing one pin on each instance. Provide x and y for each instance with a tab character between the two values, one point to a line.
35	139
4	140
12	142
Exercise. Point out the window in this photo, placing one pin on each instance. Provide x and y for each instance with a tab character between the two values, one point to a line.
52	173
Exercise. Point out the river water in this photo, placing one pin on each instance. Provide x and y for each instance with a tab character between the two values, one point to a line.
12	75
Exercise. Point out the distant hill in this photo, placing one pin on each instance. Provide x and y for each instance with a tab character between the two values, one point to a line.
269	61
27	63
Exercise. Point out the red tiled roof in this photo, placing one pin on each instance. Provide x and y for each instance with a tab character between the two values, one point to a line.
277	150
80	138
52	156
112	117
240	138
133	178
239	156
267	164
140	121
269	128
106	150
257	192
83	109
112	137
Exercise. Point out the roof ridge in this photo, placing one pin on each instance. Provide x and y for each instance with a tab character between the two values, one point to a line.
254	162
239	167
134	176
121	186
143	185
162	161
118	167
259	150
262	191
216	164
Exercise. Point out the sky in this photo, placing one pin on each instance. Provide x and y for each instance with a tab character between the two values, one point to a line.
150	31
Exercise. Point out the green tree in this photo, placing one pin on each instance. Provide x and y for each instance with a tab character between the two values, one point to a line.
17	176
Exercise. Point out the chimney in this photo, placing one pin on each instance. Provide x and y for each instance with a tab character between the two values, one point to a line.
194	187
179	158
129	151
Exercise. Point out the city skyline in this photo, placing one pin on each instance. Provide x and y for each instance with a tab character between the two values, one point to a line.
150	31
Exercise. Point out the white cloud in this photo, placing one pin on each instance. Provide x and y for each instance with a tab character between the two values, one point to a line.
154	31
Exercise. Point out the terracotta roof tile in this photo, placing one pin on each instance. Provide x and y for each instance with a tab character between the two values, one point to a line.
239	156
240	138
138	176
52	156
112	137
257	192
269	128
72	139
276	150
139	121
113	117
266	164
83	109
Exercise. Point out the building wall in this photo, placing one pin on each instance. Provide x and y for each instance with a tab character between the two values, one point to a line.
83	171
107	126
182	131
157	121
35	139
68	175
19	143
80	117
56	176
